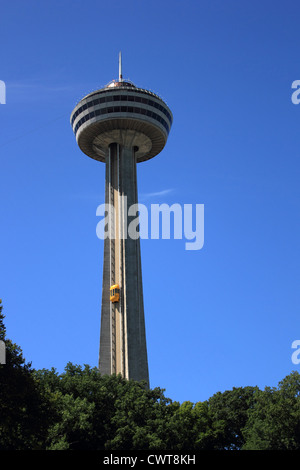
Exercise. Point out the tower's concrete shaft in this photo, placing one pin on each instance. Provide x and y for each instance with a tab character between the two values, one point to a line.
122	338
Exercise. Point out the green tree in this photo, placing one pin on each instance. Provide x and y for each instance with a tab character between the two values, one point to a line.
140	418
228	412
80	409
274	421
102	412
23	423
81	403
190	427
106	412
215	424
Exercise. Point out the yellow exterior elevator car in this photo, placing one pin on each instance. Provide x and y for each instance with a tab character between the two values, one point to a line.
115	293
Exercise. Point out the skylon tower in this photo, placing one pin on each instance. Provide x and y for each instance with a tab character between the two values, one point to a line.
122	125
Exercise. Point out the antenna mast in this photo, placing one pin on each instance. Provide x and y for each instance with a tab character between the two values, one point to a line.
120	66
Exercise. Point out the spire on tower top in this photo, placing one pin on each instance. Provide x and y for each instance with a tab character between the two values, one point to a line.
120	82
120	66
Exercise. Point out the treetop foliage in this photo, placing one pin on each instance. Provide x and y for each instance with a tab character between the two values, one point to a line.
80	409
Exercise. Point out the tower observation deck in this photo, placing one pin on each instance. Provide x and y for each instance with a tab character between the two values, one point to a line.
122	125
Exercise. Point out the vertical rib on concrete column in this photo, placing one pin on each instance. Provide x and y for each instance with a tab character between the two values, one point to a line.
122	338
105	355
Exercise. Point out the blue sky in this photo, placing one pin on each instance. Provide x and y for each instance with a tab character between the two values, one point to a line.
221	317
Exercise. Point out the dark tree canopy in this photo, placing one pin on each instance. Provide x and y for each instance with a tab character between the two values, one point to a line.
80	409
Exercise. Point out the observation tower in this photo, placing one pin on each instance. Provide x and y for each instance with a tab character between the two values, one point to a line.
122	125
